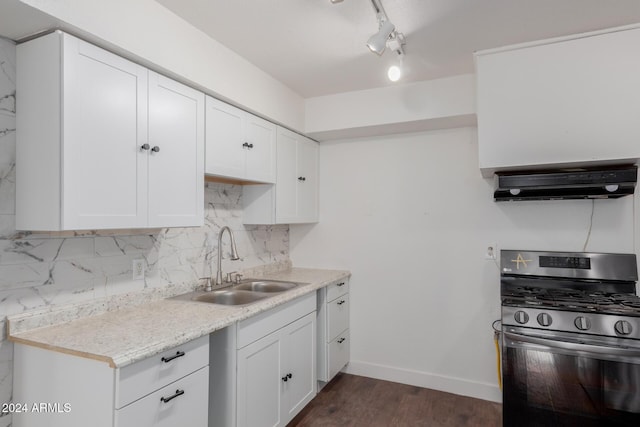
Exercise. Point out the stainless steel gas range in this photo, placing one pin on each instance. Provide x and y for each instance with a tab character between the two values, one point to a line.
570	339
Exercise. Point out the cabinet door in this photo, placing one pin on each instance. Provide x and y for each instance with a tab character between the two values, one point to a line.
287	178
104	125
261	154
259	383
299	365
307	191
225	153
176	169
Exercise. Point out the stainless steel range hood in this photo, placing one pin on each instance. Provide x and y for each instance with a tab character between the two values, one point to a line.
601	183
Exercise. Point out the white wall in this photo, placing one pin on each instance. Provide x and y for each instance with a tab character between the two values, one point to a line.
158	38
411	217
435	104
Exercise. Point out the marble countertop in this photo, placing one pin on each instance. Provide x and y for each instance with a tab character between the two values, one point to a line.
124	336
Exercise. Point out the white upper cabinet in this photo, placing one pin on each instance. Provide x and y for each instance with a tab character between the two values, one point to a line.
297	183
294	197
102	142
239	145
560	102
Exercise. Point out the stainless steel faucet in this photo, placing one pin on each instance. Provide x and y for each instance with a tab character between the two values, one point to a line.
234	252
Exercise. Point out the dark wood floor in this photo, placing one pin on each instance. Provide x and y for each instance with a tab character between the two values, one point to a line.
350	400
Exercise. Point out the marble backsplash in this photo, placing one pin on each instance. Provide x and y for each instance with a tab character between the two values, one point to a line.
44	271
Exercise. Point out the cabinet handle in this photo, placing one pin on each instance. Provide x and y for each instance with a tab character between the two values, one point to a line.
340	284
245	145
341	340
145	147
287	377
175	356
177	393
250	146
156	149
302	178
341	302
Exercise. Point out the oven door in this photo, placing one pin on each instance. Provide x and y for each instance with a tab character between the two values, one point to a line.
563	379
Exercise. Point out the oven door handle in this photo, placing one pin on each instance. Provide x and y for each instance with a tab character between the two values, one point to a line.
580	348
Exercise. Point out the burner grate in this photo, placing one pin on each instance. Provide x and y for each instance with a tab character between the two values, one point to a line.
572	299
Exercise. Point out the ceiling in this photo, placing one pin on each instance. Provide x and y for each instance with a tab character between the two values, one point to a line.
318	48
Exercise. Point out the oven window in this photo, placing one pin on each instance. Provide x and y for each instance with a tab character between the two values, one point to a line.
543	388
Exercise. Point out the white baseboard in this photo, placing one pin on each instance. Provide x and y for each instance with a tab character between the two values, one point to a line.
484	391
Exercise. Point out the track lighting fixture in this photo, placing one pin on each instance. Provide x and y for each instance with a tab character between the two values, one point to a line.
387	36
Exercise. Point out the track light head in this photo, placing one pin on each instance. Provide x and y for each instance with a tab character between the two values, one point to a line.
378	42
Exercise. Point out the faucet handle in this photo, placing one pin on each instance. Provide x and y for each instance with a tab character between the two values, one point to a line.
207	287
238	278
229	277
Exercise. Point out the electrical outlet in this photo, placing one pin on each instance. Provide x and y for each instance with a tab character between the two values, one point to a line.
491	252
138	269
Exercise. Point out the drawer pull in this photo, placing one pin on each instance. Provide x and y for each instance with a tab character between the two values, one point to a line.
340	284
341	302
167	399
175	356
287	377
341	340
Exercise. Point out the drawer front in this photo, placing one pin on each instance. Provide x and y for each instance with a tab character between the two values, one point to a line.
337	316
339	352
337	289
263	324
182	403
148	375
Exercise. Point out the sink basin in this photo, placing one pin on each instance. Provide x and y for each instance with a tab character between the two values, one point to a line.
229	297
246	292
268	286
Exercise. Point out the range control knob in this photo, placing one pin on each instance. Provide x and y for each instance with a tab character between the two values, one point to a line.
623	327
521	317
582	323
544	319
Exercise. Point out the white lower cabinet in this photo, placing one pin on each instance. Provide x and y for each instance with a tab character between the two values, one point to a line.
275	375
168	389
265	367
179	403
333	329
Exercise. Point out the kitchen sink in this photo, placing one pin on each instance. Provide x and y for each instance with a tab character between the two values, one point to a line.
230	297
268	286
248	291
